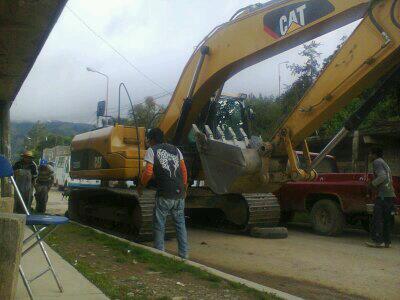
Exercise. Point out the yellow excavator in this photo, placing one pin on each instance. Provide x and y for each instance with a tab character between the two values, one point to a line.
231	171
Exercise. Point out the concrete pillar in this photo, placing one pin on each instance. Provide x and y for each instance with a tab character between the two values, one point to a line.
11	236
5	146
6	204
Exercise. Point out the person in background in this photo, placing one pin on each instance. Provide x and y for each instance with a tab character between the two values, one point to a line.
384	203
44	182
164	163
25	171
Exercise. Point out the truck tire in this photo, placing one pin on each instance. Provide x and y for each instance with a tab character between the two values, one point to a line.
269	232
327	218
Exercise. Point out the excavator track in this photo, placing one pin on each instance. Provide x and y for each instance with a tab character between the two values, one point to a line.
117	211
234	213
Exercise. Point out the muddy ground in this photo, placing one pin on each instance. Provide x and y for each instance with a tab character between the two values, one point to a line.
304	264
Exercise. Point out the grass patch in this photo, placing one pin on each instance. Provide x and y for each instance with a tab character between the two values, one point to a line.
125	252
109	259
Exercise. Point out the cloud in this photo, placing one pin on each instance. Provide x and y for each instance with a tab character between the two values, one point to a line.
157	36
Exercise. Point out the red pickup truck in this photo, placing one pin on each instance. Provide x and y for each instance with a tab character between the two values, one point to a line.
333	199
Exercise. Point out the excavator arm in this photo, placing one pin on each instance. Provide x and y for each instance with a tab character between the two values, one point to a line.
369	55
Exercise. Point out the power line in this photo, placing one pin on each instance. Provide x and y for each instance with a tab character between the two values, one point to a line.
115	50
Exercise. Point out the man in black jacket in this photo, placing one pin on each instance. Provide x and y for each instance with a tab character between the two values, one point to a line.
164	163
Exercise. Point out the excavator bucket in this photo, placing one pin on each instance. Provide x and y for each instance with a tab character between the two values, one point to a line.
230	166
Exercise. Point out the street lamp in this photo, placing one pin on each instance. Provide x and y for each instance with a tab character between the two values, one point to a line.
279	72
95	71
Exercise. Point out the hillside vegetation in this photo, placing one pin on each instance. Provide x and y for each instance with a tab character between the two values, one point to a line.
40	135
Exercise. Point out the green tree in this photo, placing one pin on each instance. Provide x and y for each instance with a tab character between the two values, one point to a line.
267	110
387	110
147	114
39	138
271	111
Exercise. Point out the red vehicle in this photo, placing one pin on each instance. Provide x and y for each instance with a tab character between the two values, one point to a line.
333	199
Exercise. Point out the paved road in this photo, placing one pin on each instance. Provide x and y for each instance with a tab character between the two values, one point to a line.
304	264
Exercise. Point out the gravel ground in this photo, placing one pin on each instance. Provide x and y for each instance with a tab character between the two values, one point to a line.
304	264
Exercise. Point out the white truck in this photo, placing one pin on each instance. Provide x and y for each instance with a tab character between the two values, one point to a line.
62	180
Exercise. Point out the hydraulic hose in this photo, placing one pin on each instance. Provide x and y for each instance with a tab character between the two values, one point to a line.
133	114
392	13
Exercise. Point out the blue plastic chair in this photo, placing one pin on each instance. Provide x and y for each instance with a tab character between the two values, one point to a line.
38	223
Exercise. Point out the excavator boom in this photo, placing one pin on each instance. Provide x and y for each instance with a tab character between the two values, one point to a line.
256	34
370	54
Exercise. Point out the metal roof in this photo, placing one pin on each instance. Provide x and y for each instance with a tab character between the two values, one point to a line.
24	28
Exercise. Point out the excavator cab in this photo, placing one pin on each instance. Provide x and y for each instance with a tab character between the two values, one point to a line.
224	142
228	117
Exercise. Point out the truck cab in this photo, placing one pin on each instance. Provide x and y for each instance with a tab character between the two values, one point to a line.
332	200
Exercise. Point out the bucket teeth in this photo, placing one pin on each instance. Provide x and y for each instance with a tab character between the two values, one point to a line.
245	137
209	132
233	135
221	133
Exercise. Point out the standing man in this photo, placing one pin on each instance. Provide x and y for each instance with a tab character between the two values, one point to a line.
25	176
384	204
165	163
43	184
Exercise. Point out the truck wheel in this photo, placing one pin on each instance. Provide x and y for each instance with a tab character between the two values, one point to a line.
286	217
327	218
269	232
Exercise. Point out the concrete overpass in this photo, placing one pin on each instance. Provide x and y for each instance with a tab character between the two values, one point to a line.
24	28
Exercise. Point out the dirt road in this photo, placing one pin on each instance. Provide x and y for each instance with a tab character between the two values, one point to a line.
56	205
304	264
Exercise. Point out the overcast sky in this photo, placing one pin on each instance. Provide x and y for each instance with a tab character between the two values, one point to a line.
157	36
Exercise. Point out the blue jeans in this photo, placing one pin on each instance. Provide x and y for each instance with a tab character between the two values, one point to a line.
163	207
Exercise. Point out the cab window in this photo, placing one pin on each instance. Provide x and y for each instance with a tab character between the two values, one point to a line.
230	113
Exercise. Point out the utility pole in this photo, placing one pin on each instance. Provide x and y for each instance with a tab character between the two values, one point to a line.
108	79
